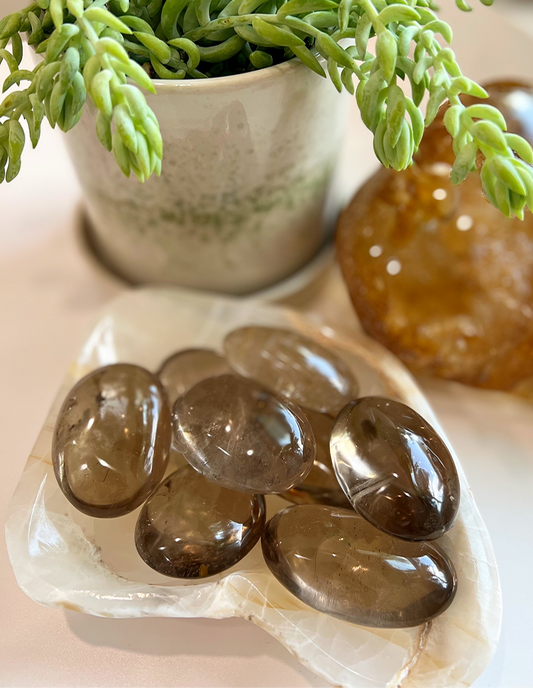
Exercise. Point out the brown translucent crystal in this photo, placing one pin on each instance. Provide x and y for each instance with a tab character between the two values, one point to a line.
112	440
192	528
436	273
337	563
238	434
321	485
292	365
184	369
395	469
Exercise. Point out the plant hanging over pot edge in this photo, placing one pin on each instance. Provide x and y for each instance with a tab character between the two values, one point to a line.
92	48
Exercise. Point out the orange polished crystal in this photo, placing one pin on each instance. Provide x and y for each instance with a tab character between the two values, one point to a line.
438	275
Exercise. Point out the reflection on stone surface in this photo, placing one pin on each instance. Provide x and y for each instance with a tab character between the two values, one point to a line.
192	528
184	369
395	469
236	433
112	440
292	365
321	485
436	273
337	563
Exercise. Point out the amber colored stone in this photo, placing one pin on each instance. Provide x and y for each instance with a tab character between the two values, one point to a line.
192	528
321	485
112	440
292	365
184	369
237	433
437	274
337	563
395	469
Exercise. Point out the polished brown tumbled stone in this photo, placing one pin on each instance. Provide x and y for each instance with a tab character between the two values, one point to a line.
321	485
437	274
395	469
186	368
337	563
112	440
292	365
192	528
238	434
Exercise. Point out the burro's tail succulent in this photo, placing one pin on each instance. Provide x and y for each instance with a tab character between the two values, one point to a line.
110	51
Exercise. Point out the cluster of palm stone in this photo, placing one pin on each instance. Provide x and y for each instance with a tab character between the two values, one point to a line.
278	414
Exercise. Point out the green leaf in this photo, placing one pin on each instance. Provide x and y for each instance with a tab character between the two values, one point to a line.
109	46
520	146
435	101
489	112
169	17
362	35
379	148
16	140
395	113
121	154
56	10
16	77
398	13
101	92
417	122
307	57
59	40
464	163
103	131
463	85
505	171
124	123
70	65
452	118
153	134
489	134
102	16
333	72
221	51
303	6
155	46
280	36
439	26
386	53
135	72
10	25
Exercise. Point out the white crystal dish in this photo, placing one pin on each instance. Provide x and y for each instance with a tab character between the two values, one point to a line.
65	559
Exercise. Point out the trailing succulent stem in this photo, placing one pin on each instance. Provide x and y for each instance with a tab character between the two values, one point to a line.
91	49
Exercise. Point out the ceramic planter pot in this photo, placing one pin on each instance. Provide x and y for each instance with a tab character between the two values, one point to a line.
245	196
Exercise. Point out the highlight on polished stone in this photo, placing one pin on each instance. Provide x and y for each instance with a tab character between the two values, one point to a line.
321	485
112	440
395	469
237	433
336	562
295	366
193	528
186	368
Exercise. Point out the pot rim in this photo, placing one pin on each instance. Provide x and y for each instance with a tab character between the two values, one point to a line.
229	82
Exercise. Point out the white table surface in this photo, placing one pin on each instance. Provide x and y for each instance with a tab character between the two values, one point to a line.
50	294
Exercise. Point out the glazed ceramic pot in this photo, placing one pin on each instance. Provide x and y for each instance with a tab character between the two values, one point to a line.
245	196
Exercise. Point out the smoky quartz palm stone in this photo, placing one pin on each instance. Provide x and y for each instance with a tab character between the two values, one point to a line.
112	440
238	434
336	562
292	365
321	485
184	369
193	528
395	469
